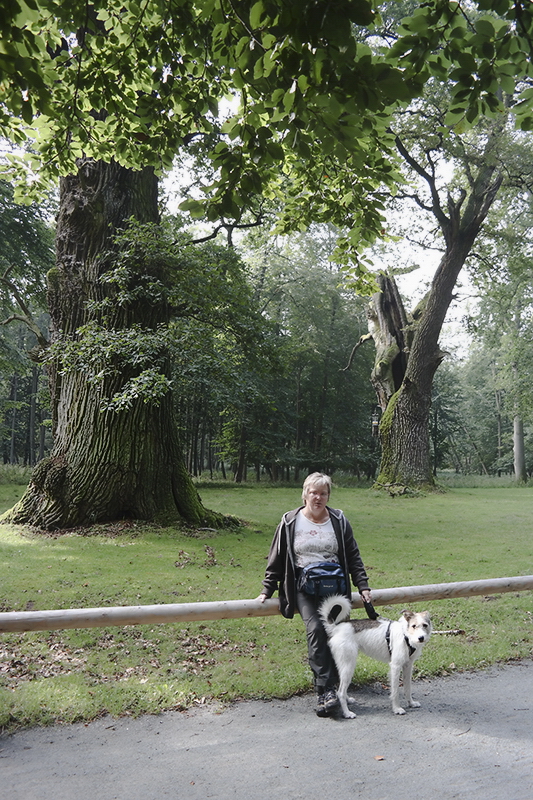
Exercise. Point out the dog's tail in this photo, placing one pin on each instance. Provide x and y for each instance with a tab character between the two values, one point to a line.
334	609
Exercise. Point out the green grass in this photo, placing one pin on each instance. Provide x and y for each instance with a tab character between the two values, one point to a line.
463	534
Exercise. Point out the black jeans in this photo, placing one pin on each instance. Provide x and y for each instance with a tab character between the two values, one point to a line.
320	658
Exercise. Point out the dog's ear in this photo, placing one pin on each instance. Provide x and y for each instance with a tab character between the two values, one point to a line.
407	614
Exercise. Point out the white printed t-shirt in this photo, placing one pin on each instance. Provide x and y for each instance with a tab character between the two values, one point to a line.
314	541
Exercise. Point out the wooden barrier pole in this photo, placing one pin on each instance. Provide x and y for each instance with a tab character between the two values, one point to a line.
447	591
13	621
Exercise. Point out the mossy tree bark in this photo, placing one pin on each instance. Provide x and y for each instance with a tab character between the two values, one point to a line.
105	464
407	346
403	396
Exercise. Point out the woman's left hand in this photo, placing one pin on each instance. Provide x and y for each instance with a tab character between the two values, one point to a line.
366	594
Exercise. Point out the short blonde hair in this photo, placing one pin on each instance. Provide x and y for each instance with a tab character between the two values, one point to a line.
316	479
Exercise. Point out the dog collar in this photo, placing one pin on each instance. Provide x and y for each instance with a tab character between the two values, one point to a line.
410	646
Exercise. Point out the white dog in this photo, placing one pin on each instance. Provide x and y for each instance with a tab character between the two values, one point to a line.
396	643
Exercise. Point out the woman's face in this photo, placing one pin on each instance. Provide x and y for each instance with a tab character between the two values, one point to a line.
316	498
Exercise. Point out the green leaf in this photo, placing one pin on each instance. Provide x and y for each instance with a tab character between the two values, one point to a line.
257	13
507	83
526	123
418	23
194	207
288	99
303	83
453	115
361	13
485	27
393	83
259	68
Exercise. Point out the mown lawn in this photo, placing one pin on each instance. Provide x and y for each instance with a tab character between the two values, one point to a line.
463	534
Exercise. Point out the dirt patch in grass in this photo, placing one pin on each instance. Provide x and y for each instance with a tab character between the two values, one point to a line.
18	666
194	655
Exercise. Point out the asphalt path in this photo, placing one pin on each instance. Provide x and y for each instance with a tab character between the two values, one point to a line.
472	738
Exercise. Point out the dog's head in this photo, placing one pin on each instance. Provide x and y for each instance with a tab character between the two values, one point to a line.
418	627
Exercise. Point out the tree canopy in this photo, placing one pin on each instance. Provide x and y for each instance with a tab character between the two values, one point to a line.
308	89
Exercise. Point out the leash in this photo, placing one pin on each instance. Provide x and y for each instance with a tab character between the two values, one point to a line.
370	610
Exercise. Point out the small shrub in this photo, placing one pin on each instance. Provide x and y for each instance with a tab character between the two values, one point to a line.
15	473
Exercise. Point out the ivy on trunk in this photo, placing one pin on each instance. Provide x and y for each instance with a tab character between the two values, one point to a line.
108	461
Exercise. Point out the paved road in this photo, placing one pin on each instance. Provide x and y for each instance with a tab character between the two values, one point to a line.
472	738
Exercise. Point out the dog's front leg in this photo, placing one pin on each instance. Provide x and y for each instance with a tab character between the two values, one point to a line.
394	679
407	676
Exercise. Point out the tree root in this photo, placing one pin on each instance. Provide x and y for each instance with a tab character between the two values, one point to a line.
397	489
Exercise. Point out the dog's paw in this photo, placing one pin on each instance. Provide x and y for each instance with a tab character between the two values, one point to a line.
414	704
349	714
398	710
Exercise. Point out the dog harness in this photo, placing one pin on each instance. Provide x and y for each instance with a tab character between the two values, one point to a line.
407	642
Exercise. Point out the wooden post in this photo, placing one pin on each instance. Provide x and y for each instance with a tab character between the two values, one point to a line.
12	621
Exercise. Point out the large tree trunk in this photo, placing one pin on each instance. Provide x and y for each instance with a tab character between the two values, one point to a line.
404	396
105	464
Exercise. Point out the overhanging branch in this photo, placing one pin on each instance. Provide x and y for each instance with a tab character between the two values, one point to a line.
229	227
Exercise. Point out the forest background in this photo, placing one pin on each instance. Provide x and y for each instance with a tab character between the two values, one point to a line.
300	408
293	405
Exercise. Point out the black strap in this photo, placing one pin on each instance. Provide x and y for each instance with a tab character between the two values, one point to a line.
410	646
407	642
370	610
387	637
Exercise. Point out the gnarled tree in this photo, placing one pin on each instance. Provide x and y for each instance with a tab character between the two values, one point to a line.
408	351
108	462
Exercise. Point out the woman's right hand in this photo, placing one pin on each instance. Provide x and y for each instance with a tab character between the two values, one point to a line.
262	597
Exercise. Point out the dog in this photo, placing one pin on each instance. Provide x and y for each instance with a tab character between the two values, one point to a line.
398	643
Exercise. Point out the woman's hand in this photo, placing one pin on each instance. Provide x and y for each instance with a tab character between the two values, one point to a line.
366	594
262	597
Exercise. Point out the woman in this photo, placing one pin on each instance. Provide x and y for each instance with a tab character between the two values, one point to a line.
309	534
